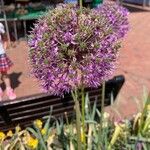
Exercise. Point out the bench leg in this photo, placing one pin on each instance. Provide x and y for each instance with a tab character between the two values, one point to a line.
5	115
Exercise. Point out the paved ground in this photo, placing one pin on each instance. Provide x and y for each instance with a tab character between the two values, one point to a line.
134	64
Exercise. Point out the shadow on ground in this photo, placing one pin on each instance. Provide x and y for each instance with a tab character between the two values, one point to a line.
14	78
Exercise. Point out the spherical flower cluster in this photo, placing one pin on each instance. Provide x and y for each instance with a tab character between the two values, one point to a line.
70	48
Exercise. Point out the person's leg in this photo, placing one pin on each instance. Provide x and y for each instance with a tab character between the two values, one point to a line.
1	94
5	78
9	91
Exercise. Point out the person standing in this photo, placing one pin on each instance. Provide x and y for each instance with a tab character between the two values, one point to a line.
5	65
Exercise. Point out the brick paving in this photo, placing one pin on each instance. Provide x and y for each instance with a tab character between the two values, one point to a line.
134	64
22	82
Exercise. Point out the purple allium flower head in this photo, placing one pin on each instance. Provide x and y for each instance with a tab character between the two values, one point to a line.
69	49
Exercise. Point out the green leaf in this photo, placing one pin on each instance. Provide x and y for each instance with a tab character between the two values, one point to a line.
87	105
58	127
98	113
49	132
144	146
146	126
144	112
90	122
33	132
94	110
47	124
43	144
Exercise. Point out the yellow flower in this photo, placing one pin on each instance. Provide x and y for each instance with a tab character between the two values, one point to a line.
148	107
32	143
26	137
2	136
115	136
38	123
105	124
43	131
106	115
18	128
9	133
50	139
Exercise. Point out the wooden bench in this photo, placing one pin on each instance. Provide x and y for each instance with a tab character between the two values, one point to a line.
26	109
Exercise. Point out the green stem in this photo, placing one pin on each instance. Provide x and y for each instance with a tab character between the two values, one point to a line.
103	98
43	144
80	4
83	116
102	103
83	106
78	122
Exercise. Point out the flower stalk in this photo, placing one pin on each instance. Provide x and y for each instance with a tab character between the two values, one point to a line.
78	121
102	103
80	4
83	116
